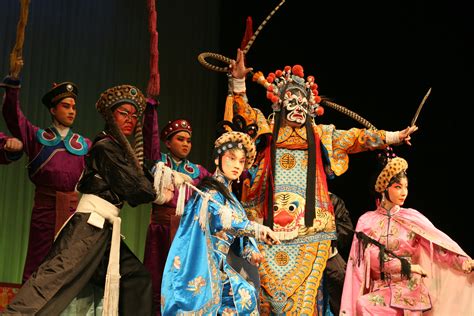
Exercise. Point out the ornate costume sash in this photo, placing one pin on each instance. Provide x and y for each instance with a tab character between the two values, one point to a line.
100	211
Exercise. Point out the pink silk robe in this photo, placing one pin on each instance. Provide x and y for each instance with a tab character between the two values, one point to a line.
445	291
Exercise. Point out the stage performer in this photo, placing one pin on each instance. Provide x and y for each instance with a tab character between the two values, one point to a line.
164	222
403	265
89	247
55	161
287	190
198	279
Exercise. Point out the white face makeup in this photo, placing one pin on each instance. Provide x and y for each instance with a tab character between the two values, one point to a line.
296	106
398	192
233	162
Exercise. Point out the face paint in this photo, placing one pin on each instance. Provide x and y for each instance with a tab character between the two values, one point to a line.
233	163
296	106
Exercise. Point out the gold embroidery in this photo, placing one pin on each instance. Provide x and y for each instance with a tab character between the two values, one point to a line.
287	161
281	258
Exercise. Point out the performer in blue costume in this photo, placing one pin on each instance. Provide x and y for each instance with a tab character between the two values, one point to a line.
198	277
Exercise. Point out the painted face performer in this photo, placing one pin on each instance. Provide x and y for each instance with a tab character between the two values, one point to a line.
198	278
55	162
164	222
288	190
429	275
89	247
11	149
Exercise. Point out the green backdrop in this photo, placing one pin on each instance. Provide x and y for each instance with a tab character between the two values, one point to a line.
99	44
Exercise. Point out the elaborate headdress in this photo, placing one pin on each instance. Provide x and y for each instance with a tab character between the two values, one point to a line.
174	127
59	92
393	166
112	98
281	84
118	95
238	137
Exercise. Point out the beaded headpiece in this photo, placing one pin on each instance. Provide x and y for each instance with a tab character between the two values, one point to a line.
282	83
113	97
121	94
174	127
231	140
236	134
394	165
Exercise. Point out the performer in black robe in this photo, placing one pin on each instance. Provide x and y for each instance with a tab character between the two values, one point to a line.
89	249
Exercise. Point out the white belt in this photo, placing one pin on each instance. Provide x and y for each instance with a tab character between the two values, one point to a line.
100	211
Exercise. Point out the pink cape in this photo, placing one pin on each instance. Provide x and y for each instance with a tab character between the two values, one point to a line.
451	291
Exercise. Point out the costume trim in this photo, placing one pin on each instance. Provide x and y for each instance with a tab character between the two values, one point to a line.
74	143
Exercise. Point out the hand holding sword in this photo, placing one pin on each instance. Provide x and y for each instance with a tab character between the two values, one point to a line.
413	121
404	135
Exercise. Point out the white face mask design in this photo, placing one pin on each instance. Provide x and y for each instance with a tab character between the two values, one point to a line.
296	106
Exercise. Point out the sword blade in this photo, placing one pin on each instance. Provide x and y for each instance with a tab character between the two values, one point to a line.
413	121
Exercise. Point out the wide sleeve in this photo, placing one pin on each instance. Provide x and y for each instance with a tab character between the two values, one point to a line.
191	278
340	143
18	125
246	247
120	174
240	225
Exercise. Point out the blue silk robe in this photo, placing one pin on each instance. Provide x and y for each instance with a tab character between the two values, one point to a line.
197	277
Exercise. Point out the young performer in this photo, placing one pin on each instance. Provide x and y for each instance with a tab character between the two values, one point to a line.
430	273
177	136
55	162
198	278
89	247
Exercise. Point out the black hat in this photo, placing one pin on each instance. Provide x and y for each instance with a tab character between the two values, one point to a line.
59	92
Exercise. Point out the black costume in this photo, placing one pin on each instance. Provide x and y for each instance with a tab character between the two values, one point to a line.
80	253
336	264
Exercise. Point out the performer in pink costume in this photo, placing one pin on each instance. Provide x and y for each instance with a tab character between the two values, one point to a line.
430	275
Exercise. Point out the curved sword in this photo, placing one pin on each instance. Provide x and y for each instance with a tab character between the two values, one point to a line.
413	121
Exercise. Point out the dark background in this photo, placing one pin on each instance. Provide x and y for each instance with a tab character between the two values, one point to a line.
376	58
379	59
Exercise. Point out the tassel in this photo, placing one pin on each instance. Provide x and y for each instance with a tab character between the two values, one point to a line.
111	295
112	280
406	268
382	262
203	211
181	200
226	217
229	109
163	183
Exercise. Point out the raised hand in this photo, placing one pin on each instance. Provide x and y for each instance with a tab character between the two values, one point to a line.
237	66
16	64
13	145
